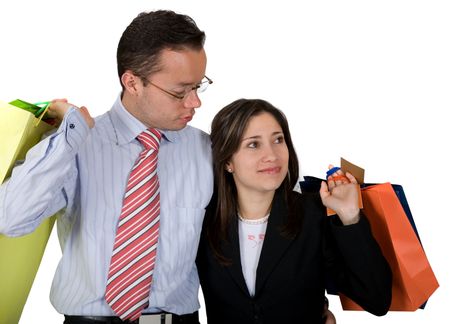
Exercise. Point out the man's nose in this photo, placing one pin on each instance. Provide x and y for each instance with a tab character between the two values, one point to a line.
192	100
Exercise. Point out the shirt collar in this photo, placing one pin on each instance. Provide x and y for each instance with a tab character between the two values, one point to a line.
128	127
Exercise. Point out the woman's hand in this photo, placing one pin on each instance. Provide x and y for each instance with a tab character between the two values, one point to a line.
340	193
328	317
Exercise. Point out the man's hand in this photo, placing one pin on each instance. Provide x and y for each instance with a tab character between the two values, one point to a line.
59	107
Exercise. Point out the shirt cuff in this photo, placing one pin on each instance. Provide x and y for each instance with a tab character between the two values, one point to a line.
75	129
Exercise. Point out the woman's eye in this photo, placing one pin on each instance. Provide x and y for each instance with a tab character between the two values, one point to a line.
279	140
252	145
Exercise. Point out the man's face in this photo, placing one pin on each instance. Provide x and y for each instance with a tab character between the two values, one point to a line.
180	72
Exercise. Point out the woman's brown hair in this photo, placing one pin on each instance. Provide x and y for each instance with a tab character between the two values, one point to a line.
227	129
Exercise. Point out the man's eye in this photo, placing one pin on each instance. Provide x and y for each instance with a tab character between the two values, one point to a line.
179	93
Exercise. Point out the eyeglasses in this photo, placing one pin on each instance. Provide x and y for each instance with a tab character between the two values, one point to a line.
199	87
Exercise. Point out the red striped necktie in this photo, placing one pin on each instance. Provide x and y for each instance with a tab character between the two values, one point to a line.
134	253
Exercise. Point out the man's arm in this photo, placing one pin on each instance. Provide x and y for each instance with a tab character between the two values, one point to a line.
46	181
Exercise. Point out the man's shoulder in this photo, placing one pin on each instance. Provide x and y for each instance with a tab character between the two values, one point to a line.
193	134
194	130
102	118
103	127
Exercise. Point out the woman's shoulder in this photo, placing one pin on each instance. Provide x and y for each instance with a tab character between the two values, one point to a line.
307	199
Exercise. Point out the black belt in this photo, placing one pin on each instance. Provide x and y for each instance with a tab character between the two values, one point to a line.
159	318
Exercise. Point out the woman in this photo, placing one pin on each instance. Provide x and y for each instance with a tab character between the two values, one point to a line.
266	250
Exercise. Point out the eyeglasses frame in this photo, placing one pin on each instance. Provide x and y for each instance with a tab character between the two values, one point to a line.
195	87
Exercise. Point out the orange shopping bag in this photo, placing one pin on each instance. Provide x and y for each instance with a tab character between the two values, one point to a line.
413	279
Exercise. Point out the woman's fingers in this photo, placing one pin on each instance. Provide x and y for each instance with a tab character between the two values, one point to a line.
324	190
338	177
351	178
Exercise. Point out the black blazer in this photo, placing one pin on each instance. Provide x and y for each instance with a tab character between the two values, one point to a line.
292	273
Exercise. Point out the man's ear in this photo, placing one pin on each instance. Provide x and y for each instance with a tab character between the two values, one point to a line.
130	82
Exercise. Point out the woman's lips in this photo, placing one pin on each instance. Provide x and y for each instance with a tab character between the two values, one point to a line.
272	170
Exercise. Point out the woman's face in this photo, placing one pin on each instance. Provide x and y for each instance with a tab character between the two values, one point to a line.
261	162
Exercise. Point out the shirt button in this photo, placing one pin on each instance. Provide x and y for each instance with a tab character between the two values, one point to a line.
72	126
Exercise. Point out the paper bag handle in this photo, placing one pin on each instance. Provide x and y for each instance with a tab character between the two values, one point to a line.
41	112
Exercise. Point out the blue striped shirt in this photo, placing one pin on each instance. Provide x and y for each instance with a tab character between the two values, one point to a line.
84	172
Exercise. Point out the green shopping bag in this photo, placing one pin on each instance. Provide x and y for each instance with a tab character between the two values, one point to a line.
20	257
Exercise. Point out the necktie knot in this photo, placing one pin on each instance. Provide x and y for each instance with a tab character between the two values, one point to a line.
150	138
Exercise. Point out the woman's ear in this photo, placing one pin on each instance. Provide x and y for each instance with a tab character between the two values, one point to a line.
229	167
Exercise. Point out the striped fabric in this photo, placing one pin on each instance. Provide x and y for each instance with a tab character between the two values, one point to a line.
134	252
85	172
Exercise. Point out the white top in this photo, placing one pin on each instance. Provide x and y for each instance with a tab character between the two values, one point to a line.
251	237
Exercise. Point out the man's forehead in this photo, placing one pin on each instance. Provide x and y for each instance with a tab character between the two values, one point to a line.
187	65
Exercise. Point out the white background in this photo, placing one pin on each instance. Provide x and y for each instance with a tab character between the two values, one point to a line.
366	80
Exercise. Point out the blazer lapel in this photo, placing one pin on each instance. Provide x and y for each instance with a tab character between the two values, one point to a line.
232	251
274	244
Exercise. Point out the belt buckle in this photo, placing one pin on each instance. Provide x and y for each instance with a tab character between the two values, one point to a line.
155	319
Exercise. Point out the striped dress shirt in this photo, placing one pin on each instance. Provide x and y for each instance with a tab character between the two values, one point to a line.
84	172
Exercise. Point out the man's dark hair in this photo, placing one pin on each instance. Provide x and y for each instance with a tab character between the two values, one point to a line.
151	32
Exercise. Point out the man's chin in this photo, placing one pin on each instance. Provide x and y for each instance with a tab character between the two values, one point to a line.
177	127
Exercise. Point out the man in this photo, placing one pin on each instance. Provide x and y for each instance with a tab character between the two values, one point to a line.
85	168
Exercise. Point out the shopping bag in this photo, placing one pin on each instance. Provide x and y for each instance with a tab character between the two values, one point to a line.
19	131
312	184
413	278
407	288
20	257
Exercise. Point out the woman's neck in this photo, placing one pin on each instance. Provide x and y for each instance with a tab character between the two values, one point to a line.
255	206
